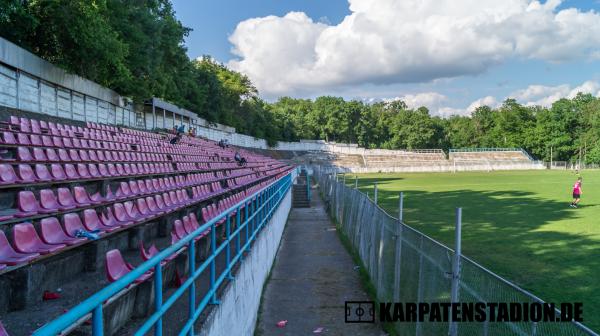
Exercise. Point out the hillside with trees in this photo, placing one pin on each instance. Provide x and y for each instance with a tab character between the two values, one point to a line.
137	49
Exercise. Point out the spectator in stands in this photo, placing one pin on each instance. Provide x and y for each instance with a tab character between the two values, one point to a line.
576	193
222	143
240	159
181	129
175	139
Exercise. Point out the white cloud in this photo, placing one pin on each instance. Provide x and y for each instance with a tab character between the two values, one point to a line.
546	95
403	41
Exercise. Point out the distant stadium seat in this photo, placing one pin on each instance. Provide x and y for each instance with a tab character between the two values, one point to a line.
11	257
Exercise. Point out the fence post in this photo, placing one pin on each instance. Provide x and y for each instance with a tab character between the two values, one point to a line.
418	330
398	254
355	182
375	193
453	329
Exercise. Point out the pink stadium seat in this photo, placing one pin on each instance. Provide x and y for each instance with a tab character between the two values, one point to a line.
83	171
108	219
65	198
47	141
49	202
23	139
133	186
39	155
72	223
36	140
57	171
9	256
63	155
121	214
179	229
9	138
28	205
116	267
53	233
26	240
42	173
92	222
26	173
81	196
71	172
152	206
133	212
93	170
23	154
152	251
124	191
7	174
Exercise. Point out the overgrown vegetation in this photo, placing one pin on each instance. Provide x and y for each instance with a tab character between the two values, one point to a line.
137	48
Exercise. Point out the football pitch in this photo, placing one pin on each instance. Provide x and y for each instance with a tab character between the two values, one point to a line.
518	224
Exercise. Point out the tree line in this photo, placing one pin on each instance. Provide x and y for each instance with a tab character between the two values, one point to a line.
137	49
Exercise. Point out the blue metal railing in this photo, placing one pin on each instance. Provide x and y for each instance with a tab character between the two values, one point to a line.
257	208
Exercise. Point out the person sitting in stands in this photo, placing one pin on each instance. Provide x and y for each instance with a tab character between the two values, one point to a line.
175	139
239	159
181	129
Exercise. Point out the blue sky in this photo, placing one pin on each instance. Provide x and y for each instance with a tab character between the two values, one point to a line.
535	63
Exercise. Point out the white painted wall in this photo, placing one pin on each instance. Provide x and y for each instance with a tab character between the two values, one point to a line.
238	311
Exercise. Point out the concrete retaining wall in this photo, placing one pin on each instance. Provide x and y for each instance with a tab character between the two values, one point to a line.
446	168
238	311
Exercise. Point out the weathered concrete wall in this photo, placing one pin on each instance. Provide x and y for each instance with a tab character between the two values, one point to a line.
237	313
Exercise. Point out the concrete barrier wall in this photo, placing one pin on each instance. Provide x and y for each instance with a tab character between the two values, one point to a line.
238	311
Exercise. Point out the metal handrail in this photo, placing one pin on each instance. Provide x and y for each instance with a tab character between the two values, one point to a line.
263	203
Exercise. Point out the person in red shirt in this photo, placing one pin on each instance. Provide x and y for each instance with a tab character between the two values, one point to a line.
576	193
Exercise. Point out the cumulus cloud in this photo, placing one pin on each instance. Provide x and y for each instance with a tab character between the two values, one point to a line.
546	95
533	95
407	41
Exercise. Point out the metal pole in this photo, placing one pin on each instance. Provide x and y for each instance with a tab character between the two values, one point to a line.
550	157
355	182
192	289
401	208
97	323
375	193
398	251
456	268
158	299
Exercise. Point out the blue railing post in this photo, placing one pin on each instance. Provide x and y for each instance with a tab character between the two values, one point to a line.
97	323
192	291
213	271
158	299
228	252
238	223
246	223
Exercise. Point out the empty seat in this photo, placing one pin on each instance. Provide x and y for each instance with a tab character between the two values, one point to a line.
52	232
116	267
81	196
27	204
42	173
92	222
109	219
65	198
26	173
27	240
11	257
57	172
7	174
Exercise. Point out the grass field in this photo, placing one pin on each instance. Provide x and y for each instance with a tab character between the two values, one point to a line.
517	224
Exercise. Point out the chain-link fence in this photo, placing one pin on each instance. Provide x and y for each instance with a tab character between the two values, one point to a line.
407	266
